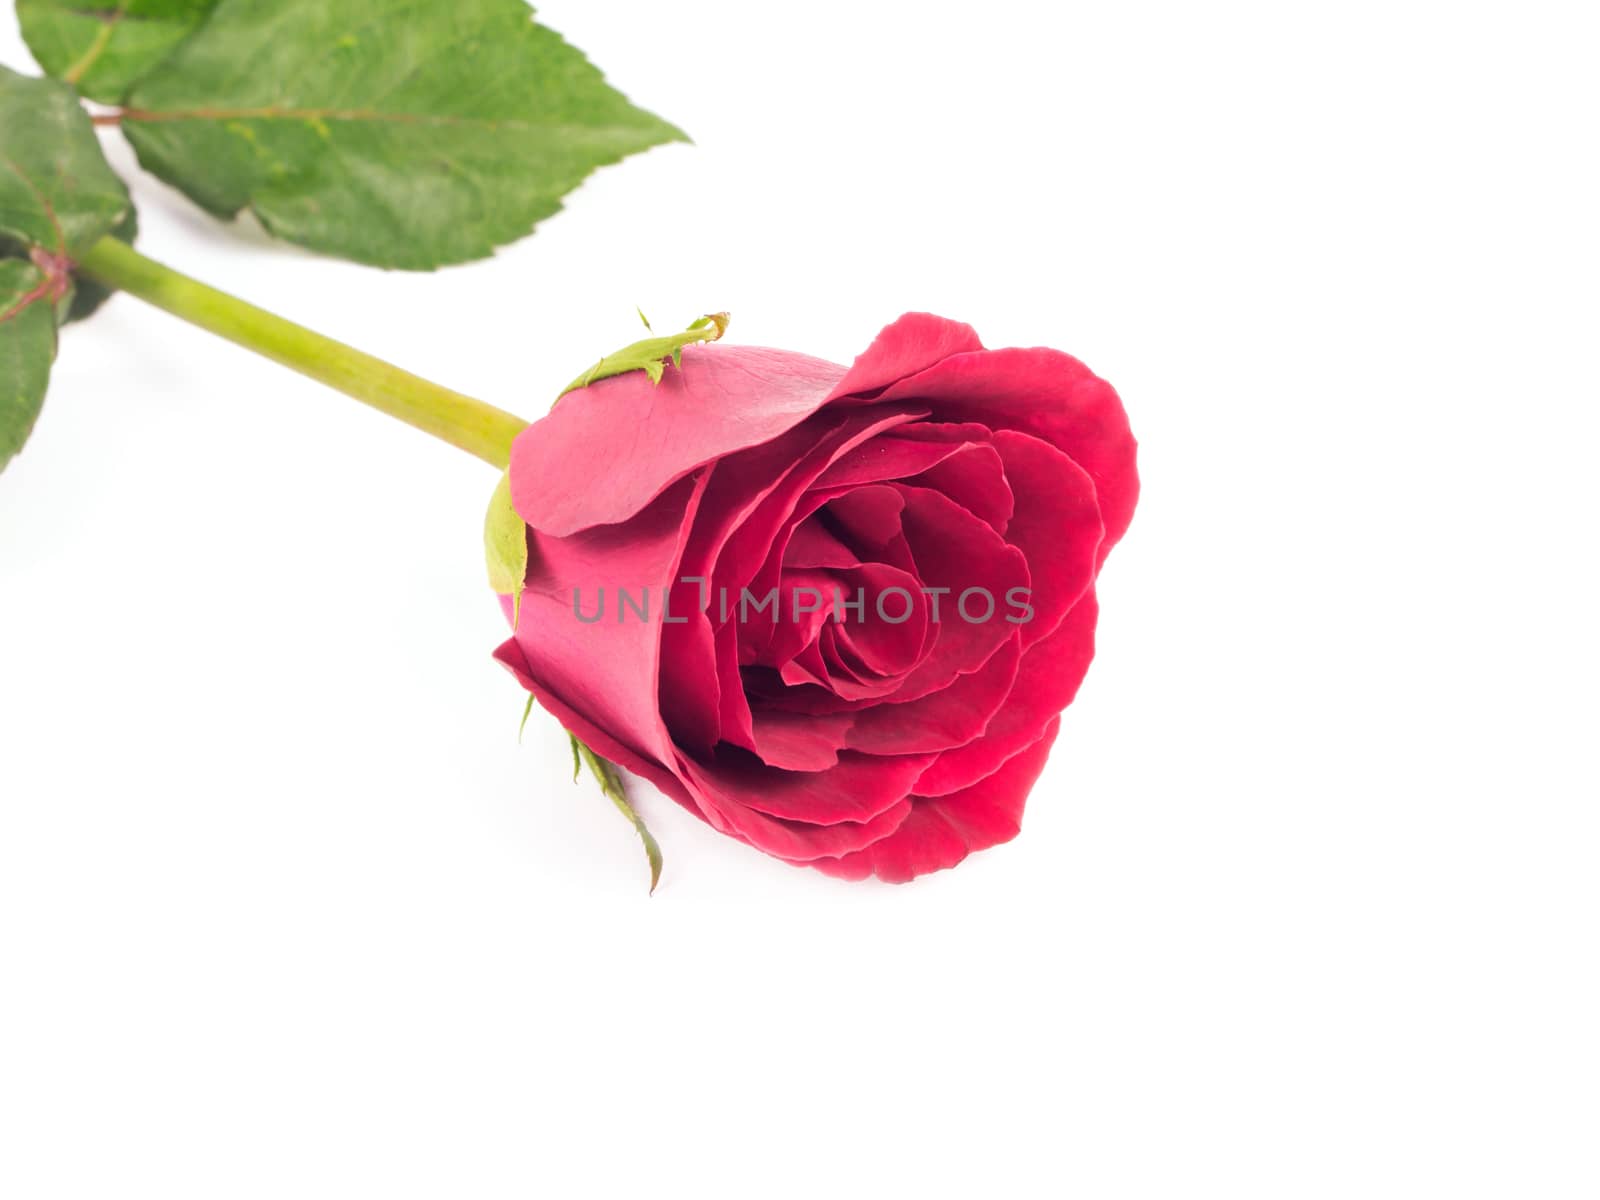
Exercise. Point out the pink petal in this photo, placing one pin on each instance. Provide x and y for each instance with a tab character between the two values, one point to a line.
942	831
799	741
976	480
950	717
602	743
888	457
607	450
1047	681
913	343
790	634
1057	527
797	841
955	550
1050	395
857	788
752	553
607	671
691	692
887	648
812	544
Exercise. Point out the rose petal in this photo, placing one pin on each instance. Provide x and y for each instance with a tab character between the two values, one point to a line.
608	670
607	450
974	478
857	788
1050	395
1057	527
913	343
956	551
799	741
602	743
812	544
690	689
805	602
941	831
756	484
950	717
796	841
1048	679
885	645
752	553
888	457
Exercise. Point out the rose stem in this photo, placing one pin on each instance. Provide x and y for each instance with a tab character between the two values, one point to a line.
478	428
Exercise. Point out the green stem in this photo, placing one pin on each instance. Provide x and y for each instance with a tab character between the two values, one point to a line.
478	428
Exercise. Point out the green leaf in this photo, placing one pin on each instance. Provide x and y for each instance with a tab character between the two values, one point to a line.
57	198
505	547
103	46
57	194
653	353
606	774
401	133
27	346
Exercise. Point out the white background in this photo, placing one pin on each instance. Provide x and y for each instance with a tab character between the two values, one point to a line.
1306	901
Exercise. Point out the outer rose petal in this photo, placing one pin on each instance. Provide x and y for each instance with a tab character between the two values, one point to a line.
565	472
511	657
913	343
1057	527
942	831
608	670
1050	395
858	788
796	841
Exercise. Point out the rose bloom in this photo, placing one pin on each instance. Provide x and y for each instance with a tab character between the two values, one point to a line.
868	740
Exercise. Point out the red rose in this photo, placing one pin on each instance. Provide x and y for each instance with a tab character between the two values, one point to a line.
867	734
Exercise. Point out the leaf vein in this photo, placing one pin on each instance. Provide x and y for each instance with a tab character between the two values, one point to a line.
102	39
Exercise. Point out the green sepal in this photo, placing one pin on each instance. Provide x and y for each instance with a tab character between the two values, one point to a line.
505	546
527	711
652	354
606	775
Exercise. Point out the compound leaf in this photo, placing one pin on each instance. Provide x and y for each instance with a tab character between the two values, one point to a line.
102	47
401	133
57	198
57	194
27	347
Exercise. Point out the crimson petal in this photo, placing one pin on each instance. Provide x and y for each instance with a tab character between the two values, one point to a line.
1048	679
913	343
1057	527
943	830
1050	395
